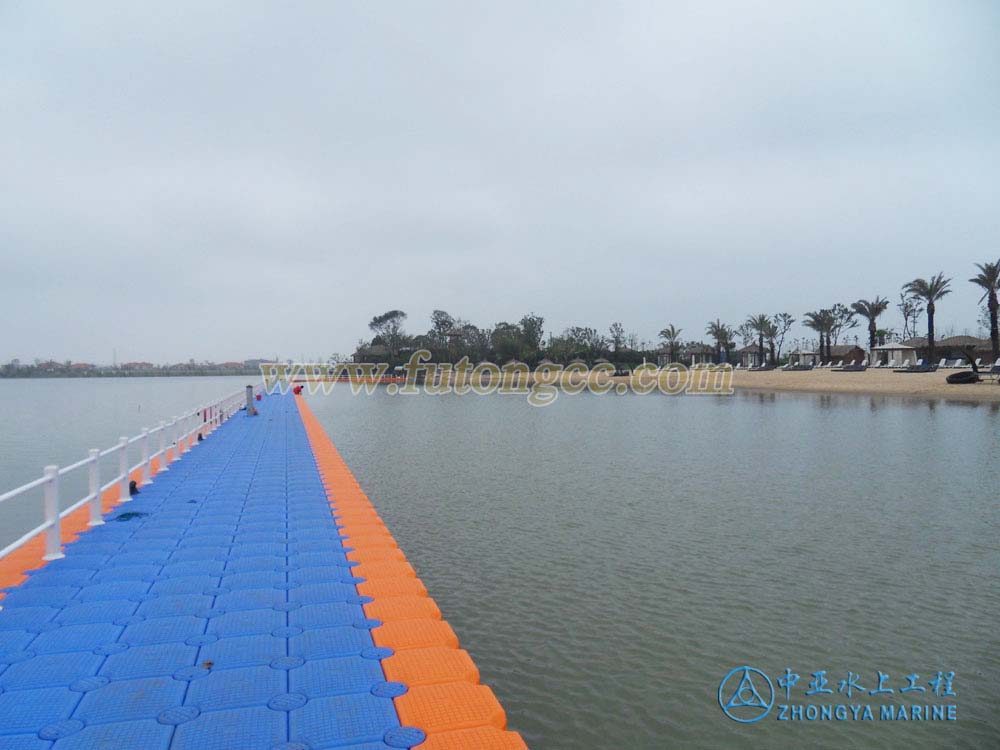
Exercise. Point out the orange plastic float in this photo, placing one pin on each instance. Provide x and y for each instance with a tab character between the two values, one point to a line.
444	697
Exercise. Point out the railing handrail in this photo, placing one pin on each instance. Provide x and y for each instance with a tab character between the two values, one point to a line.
173	434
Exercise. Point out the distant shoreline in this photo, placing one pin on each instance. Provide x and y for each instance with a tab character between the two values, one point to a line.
871	382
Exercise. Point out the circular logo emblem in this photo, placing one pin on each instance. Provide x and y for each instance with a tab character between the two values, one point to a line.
746	695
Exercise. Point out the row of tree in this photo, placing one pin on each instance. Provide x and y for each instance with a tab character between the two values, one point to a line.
450	338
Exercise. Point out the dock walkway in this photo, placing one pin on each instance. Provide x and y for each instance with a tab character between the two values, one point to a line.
250	597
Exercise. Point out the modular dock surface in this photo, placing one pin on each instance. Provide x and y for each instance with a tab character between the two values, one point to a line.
248	598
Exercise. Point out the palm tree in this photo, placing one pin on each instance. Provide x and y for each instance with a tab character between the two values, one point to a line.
989	279
813	321
720	332
930	292
871	310
672	335
771	333
728	341
759	324
822	322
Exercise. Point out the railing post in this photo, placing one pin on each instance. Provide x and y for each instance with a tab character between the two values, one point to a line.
177	438
53	534
249	400
163	446
123	496
145	456
95	488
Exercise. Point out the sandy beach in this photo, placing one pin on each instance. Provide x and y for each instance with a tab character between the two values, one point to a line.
875	382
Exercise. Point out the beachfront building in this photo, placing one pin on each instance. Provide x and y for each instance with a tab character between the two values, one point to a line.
664	357
801	357
849	354
697	353
896	353
950	348
955	347
751	356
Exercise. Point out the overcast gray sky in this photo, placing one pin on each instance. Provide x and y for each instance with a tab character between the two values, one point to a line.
227	180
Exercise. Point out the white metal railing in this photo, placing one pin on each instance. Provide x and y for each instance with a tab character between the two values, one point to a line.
179	434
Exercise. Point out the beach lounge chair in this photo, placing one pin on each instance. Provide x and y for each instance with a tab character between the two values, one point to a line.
919	366
943	363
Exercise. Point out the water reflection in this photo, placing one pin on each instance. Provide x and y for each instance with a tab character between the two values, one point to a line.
606	561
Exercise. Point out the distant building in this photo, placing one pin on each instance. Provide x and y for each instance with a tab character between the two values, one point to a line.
802	357
751	356
896	353
955	347
664	357
950	348
138	366
697	353
849	354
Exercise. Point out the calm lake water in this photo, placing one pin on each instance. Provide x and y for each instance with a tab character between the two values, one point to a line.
607	560
57	420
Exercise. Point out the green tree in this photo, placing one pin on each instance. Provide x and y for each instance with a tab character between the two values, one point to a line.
820	322
841	318
672	336
911	309
507	341
783	323
719	332
989	279
532	332
728	341
759	325
771	335
616	334
930	292
588	343
441	324
389	328
870	310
